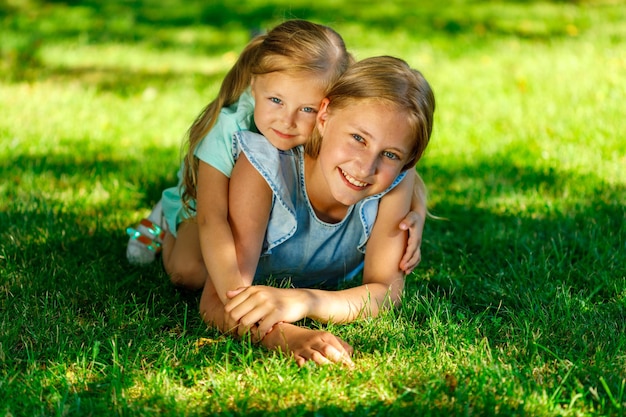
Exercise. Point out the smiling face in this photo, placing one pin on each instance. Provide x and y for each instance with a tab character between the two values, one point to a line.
286	107
364	148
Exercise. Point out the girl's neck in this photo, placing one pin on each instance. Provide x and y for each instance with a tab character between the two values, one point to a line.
326	208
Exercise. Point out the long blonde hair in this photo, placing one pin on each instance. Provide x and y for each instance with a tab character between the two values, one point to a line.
292	46
390	80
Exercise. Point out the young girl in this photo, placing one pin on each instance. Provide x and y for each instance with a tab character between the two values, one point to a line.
275	87
312	211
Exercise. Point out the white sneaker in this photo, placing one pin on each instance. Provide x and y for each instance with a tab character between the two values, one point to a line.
146	239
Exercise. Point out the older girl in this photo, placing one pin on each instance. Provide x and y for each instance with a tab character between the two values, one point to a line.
317	216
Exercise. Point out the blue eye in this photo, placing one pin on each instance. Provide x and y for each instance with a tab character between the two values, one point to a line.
309	110
275	100
390	155
358	138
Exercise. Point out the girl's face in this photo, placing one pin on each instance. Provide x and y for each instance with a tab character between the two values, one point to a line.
286	107
364	148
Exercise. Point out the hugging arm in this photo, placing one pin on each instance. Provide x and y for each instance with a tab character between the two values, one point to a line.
383	280
414	224
250	204
216	238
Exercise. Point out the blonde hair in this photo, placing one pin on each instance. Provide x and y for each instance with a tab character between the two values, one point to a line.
390	80
293	46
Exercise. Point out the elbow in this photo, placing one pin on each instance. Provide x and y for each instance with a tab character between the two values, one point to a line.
387	297
201	219
395	293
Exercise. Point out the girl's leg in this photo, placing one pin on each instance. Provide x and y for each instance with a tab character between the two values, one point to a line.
182	260
212	310
182	257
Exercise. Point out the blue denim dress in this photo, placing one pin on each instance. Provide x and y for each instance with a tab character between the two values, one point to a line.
299	249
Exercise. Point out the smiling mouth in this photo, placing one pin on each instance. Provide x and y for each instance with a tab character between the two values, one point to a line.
283	135
353	180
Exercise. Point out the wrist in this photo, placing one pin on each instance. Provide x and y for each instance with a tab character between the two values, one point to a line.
311	299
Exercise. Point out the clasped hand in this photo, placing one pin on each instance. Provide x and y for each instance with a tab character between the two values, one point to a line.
257	309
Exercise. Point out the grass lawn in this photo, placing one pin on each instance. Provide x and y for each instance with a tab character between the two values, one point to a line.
519	304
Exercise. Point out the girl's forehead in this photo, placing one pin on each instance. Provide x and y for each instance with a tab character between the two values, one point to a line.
292	82
350	104
290	75
374	115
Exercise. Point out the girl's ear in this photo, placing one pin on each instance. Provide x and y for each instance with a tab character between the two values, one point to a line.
322	115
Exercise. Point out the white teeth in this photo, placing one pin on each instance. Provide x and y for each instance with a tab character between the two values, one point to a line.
353	180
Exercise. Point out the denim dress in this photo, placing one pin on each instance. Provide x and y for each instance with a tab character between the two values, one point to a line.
299	249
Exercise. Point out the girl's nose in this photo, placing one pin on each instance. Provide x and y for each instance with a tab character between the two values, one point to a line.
289	118
367	165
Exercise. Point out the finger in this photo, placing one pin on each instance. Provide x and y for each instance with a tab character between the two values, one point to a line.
229	326
337	354
251	330
409	221
236	301
412	250
256	334
250	320
319	358
347	361
411	258
300	361
404	263
234	293
407	224
343	358
413	262
245	308
348	348
242	329
267	324
251	313
407	265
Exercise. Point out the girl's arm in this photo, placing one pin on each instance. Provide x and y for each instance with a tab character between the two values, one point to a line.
383	280
250	204
216	238
414	224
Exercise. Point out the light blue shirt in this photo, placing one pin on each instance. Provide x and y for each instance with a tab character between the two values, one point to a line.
217	149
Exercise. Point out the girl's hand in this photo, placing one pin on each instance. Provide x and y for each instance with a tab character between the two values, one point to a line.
306	344
265	307
414	223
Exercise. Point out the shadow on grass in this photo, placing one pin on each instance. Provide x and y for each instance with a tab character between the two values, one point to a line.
569	232
78	165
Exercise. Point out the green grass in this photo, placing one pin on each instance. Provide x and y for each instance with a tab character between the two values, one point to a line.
519	304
